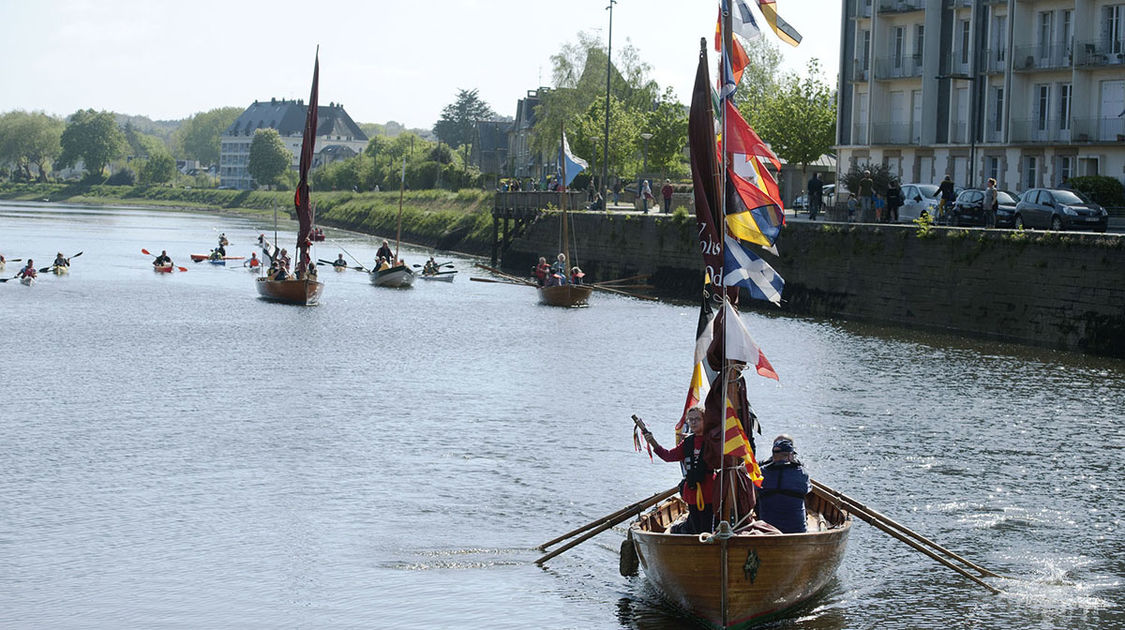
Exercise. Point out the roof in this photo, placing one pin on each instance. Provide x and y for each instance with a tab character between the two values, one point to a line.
288	118
493	134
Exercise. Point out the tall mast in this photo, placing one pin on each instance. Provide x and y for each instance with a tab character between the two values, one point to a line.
562	198
398	230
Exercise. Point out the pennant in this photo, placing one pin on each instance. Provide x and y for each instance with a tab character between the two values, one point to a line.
736	444
744	269
743	22
697	393
740	346
741	138
752	215
784	31
573	164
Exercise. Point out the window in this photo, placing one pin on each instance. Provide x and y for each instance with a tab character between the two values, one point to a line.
1044	34
999	37
998	109
966	27
992	167
896	47
1113	28
919	41
1042	107
1029	171
1066	168
866	50
1066	31
1064	106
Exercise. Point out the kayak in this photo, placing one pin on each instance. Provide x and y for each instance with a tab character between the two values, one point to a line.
218	262
169	268
203	257
60	270
339	268
27	281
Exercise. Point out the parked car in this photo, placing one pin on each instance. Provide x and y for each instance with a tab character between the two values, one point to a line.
918	199
1056	209
968	208
827	195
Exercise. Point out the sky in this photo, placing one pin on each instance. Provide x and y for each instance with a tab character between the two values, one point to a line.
384	60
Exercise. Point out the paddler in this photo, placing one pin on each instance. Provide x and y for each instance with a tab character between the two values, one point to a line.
216	255
29	270
430	268
163	260
60	261
253	263
698	485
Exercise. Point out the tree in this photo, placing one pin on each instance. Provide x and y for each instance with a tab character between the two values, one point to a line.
799	119
761	78
199	135
459	118
30	138
160	168
624	137
269	159
668	126
92	137
142	145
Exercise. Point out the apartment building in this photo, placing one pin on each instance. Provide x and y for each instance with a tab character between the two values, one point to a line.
337	137
1029	92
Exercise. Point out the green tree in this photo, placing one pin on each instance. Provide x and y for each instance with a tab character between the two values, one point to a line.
799	119
158	169
624	138
30	138
269	159
761	78
668	126
92	137
142	145
199	135
458	119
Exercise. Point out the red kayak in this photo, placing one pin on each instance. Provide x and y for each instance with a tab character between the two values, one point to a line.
163	268
203	257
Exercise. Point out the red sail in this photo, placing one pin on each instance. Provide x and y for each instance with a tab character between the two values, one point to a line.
301	198
705	171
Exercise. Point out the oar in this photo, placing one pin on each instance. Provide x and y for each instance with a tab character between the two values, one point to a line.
626	279
612	290
12	278
604	523
495	281
14	260
361	267
889	527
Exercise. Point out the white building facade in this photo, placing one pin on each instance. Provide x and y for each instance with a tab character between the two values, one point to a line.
338	137
1029	92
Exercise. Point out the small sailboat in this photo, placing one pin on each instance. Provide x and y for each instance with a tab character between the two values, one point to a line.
397	275
301	287
565	293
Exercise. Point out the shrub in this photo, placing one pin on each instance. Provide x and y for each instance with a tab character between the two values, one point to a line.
1104	190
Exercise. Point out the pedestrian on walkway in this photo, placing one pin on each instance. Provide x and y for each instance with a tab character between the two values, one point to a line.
990	204
646	195
666	192
866	196
617	191
816	196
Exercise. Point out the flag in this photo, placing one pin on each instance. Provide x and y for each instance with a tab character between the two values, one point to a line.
784	31
741	138
743	22
739	58
744	269
740	346
735	444
729	84
573	164
697	393
752	215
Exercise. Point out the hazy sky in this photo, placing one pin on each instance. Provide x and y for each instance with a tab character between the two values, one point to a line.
384	60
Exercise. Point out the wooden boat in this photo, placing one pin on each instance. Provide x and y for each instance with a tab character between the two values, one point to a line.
565	295
303	290
765	575
399	277
166	268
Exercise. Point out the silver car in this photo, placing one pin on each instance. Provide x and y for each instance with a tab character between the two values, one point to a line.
916	200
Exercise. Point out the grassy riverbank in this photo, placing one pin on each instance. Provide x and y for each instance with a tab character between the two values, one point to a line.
436	218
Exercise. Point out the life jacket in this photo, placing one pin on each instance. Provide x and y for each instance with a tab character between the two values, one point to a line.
697	486
781	497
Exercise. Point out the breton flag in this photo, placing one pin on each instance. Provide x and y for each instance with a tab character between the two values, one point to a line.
735	444
785	31
744	269
740	346
574	164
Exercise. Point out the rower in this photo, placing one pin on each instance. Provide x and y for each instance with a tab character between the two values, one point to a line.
283	259
576	275
558	269
430	268
253	262
61	261
163	259
216	254
542	270
340	262
781	499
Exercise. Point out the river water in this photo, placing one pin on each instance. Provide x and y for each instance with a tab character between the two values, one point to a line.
176	453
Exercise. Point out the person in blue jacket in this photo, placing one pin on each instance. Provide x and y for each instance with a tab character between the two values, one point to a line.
781	499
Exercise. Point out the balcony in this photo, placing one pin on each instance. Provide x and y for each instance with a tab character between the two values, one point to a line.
994	60
958	132
1030	58
1098	129
862	9
991	133
901	6
1032	130
904	67
859	134
860	73
1103	53
891	133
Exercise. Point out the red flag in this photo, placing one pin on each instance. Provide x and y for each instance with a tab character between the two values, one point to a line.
741	138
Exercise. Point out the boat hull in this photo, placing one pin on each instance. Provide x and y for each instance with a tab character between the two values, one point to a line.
163	268
766	575
396	277
60	270
565	295
27	281
441	277
302	292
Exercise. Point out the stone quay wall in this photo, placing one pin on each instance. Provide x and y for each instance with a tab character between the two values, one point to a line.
1057	290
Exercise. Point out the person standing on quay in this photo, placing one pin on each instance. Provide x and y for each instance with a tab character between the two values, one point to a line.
948	194
666	192
989	206
646	194
894	201
866	196
816	196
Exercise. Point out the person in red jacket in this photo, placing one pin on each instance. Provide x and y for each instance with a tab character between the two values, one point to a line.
666	192
698	486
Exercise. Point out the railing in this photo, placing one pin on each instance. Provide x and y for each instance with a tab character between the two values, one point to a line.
991	134
1098	129
891	133
957	64
1028	130
538	200
994	59
863	8
1042	57
859	73
901	6
1101	53
904	67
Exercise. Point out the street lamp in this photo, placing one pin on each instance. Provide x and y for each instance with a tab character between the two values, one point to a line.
972	121
646	137
608	74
